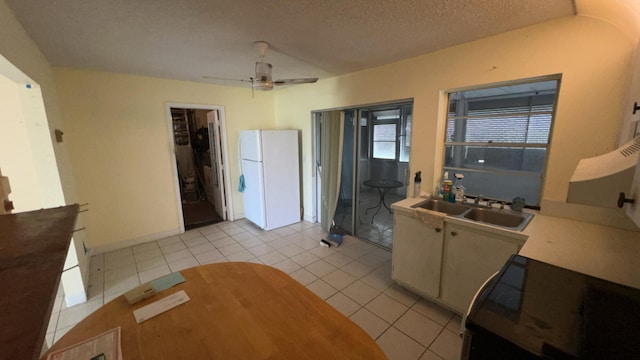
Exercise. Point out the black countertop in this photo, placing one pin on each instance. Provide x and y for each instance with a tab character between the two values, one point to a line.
557	313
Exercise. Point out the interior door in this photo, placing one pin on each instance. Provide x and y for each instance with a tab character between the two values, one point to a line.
317	156
219	198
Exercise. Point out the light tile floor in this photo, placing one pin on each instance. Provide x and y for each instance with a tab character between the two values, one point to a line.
355	278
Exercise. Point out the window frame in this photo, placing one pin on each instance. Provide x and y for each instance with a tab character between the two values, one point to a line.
404	118
458	145
375	123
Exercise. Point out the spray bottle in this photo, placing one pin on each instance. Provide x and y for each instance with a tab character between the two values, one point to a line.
458	187
446	186
416	184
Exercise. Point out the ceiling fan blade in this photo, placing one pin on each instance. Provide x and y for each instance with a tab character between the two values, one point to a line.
226	79
263	70
295	81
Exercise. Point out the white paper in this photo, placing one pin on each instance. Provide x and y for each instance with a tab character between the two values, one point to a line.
160	306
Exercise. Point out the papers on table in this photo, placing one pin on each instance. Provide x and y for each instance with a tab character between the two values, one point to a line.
160	306
167	281
105	346
149	289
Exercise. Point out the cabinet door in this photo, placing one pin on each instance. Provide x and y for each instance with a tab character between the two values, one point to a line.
470	258
633	209
417	255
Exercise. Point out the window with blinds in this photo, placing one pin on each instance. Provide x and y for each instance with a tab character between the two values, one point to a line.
391	135
498	138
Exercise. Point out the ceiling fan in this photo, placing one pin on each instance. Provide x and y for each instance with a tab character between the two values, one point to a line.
262	80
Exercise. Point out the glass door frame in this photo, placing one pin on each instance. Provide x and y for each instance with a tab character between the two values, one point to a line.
356	220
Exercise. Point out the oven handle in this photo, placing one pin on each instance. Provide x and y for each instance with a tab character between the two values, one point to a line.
473	300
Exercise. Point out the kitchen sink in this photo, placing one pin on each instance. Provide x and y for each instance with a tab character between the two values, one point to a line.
443	206
504	218
512	220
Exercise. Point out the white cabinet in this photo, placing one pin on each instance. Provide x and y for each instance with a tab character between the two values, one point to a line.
447	265
416	255
629	129
631	111
470	257
633	209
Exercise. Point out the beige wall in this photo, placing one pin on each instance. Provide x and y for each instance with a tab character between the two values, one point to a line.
45	163
18	48
117	129
591	55
120	146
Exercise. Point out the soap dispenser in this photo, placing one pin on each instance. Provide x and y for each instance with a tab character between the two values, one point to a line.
416	184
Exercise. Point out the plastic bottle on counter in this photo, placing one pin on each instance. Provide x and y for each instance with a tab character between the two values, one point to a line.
416	184
458	188
444	178
446	190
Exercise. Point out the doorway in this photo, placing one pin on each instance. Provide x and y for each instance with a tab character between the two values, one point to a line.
200	164
373	171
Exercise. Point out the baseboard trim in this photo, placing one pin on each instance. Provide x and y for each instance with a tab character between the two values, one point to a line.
132	242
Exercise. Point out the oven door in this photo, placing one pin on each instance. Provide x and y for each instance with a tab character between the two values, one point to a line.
466	334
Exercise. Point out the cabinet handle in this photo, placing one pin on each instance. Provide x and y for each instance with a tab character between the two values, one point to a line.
438	229
622	199
453	233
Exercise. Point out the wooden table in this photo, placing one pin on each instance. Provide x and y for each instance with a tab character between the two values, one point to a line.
33	248
237	311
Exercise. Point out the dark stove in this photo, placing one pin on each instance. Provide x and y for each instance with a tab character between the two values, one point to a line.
534	310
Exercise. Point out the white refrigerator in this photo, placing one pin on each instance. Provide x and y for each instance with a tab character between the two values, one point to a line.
269	160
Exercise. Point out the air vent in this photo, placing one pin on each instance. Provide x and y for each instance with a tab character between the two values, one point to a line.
598	181
632	148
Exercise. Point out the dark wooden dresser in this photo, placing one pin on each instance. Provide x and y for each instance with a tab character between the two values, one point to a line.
33	249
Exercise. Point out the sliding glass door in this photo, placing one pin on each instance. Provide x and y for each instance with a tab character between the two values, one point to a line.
373	171
345	211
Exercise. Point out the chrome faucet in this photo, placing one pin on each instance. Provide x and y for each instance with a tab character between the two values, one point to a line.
478	199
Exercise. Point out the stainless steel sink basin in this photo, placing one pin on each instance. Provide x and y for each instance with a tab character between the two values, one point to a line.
443	206
512	220
504	218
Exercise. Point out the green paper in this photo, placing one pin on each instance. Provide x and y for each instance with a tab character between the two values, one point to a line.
167	281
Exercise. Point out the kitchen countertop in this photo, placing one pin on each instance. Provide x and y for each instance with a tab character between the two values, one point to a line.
597	250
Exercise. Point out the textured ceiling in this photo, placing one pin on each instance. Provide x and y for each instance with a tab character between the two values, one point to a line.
187	39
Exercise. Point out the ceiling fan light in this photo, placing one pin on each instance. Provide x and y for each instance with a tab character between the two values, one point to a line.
263	80
263	71
262	85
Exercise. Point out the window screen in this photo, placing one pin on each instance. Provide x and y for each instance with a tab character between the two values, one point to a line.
498	138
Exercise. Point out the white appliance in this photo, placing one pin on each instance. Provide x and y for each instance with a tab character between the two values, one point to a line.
269	160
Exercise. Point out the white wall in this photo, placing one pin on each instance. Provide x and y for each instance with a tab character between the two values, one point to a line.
593	57
21	170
